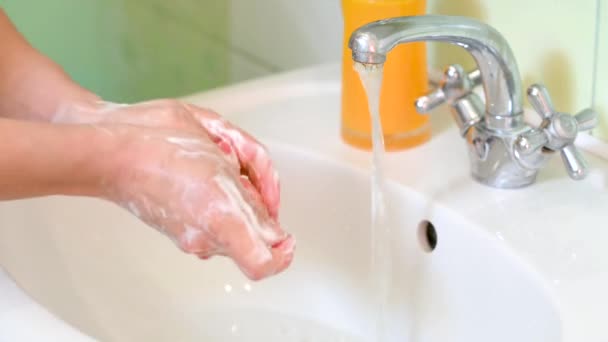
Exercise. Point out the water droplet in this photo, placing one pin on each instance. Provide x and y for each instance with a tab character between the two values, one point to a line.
228	288
247	287
500	236
234	329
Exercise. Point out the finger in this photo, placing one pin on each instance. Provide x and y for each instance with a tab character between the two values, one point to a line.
247	208
257	261
204	256
286	250
253	156
256	160
245	235
194	240
257	203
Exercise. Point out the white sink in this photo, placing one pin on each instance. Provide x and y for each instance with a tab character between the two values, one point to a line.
519	265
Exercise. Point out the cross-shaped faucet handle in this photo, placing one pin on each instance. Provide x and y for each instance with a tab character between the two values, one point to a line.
561	130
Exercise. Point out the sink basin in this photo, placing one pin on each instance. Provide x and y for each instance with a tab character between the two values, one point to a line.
522	265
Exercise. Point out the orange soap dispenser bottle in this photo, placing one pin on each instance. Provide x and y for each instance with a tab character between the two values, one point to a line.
405	79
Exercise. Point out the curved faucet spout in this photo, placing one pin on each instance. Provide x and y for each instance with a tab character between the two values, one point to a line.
499	73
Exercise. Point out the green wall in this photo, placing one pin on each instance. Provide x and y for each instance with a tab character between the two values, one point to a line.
131	50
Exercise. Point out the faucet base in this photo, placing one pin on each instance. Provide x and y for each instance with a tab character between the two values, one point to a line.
492	159
505	184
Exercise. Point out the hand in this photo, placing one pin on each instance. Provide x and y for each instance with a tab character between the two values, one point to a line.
171	114
198	179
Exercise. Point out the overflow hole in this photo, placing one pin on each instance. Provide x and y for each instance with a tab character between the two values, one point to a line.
427	236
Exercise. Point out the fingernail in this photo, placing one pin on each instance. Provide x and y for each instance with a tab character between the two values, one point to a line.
225	147
287	245
287	260
273	234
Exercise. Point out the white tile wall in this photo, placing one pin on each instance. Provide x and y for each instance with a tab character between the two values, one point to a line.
287	34
243	68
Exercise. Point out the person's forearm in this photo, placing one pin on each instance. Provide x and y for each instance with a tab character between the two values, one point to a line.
31	85
40	159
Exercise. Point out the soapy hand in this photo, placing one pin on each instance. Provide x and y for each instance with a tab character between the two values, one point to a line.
203	182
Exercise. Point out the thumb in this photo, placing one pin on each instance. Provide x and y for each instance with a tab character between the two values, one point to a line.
272	233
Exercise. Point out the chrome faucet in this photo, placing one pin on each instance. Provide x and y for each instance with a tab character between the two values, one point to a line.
504	151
